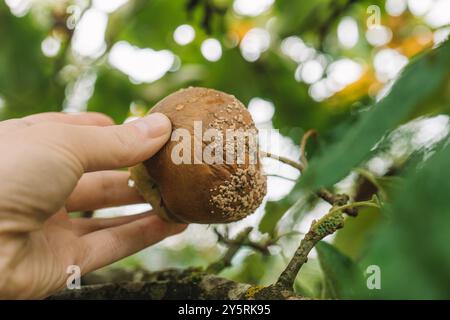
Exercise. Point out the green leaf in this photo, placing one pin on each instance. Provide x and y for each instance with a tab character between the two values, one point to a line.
292	206
412	250
357	233
341	274
419	80
273	212
251	269
309	282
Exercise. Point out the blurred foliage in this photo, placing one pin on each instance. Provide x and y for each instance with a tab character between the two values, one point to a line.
411	250
28	80
339	271
421	79
407	239
357	232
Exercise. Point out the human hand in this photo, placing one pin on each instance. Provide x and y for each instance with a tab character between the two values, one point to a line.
50	165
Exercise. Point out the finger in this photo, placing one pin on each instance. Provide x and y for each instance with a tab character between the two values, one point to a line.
84	226
102	189
59	154
109	245
84	118
103	148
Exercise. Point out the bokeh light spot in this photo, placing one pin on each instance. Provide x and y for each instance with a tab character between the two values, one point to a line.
261	110
251	7
184	34
50	46
211	49
347	32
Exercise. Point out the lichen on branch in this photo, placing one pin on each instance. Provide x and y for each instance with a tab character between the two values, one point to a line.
190	284
328	224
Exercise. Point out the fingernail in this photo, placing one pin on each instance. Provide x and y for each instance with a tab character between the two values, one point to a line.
153	125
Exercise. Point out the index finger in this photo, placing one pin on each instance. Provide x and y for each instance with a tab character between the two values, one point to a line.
94	148
83	118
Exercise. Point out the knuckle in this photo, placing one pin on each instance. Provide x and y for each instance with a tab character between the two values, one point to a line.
142	239
105	187
127	144
116	242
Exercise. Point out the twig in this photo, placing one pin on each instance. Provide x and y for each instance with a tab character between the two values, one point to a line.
337	200
334	199
281	177
327	225
241	240
290	162
264	247
328	196
308	134
233	248
287	234
370	203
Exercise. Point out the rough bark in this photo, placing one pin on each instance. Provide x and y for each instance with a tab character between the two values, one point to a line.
190	284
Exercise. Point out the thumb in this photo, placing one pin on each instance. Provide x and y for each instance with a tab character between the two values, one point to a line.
112	147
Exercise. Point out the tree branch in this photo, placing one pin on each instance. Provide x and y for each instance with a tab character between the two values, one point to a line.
328	196
233	248
308	134
325	226
319	230
241	240
281	177
337	200
190	284
290	162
